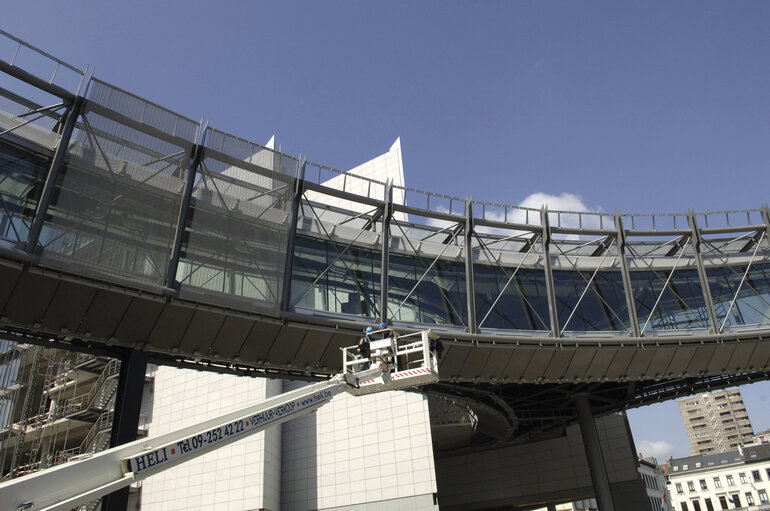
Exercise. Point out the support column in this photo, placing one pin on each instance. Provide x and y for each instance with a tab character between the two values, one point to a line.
128	404
546	239
57	163
593	449
470	285
704	281
184	213
296	200
387	214
629	291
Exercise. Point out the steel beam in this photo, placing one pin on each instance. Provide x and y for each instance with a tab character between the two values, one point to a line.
703	276
296	201
594	454
128	404
54	170
627	288
387	214
469	283
549	284
196	157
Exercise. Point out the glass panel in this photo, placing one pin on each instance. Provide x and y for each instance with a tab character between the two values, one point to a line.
603	306
350	286
681	306
439	298
753	303
236	236
523	304
116	205
22	176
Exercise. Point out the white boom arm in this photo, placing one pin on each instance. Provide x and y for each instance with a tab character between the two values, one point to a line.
73	484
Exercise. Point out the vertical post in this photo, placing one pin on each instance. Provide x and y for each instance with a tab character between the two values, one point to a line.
296	199
549	285
470	285
57	163
387	215
593	449
128	404
628	290
766	218
703	276
184	211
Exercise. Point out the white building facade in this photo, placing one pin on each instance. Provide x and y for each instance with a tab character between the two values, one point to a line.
738	479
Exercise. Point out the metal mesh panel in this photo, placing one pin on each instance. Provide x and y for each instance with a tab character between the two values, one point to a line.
237	234
117	202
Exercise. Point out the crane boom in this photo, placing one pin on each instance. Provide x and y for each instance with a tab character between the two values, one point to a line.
72	484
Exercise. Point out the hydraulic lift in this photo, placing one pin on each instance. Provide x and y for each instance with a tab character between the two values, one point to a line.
393	362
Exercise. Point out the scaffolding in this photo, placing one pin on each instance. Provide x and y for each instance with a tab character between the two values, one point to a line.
54	406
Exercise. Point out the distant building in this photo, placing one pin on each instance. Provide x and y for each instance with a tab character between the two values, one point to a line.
716	421
737	479
654	477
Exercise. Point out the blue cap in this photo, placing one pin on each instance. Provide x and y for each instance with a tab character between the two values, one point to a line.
369	330
383	326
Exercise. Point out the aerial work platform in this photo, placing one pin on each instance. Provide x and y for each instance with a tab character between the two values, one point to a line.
394	362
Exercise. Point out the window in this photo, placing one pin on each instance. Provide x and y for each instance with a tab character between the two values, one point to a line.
709	505
762	496
684	506
730	481
743	478
703	485
690	486
749	498
696	505
736	500
756	475
679	488
723	501
717	482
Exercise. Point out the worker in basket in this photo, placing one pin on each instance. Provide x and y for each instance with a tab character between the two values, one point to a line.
363	348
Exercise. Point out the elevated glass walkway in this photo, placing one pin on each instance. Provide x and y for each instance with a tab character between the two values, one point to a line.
124	224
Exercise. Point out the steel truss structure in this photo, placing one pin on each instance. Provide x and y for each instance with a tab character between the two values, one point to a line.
126	226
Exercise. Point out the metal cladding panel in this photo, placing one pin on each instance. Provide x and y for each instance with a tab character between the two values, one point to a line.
452	362
476	360
68	306
231	336
9	276
681	360
258	342
662	355
286	345
742	357
720	361
539	362
701	359
495	366
601	363
103	316
761	357
519	362
312	349
135	326
579	364
619	365
640	364
200	334
332	356
170	327
31	296
557	368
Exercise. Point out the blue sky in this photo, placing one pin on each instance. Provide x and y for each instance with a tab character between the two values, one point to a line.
635	106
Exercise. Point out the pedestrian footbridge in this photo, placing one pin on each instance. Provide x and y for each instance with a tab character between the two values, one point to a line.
126	226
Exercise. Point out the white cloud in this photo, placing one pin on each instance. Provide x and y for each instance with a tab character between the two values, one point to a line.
659	449
563	202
